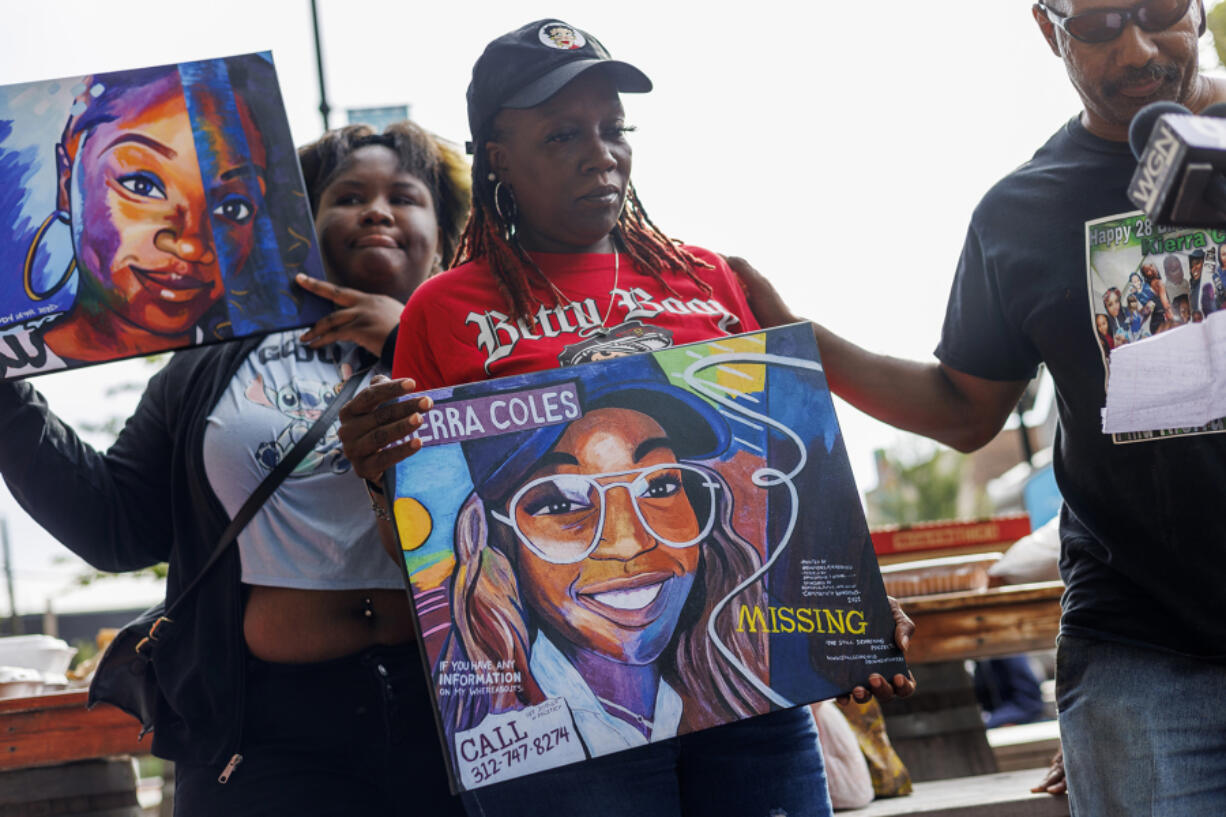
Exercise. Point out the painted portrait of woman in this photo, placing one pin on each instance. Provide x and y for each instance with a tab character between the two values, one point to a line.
592	555
162	209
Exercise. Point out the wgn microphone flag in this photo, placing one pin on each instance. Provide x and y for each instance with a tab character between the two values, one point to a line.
1181	157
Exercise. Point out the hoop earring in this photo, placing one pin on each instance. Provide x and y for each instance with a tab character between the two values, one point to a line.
26	270
508	218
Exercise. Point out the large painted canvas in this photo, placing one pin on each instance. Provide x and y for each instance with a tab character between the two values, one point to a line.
148	210
618	552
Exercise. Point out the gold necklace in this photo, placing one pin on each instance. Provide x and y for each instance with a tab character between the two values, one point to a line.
603	329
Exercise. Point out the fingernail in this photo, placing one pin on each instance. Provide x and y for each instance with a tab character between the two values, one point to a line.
876	682
415	419
427	403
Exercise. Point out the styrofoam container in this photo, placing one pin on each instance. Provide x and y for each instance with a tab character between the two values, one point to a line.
54	682
45	653
20	682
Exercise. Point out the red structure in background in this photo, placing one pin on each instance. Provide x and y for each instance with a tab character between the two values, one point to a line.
929	539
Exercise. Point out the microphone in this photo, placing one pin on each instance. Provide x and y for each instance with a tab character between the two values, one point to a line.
1180	179
1142	125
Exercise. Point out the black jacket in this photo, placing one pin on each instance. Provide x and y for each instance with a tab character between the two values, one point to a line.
147	500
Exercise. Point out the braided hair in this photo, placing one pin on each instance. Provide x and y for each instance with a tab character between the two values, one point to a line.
491	234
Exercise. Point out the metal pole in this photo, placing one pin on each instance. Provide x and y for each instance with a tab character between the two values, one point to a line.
8	576
324	109
51	624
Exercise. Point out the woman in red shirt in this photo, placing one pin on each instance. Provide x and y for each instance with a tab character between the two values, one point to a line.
560	264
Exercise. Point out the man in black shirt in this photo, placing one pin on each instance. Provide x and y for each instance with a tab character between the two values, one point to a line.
1142	653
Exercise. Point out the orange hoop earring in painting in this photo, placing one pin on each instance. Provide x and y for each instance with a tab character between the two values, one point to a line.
26	271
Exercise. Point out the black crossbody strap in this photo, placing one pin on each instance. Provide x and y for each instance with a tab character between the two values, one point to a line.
270	482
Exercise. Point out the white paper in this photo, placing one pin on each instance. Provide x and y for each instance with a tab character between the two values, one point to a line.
1174	380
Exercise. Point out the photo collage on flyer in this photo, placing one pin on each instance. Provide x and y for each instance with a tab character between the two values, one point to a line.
1145	280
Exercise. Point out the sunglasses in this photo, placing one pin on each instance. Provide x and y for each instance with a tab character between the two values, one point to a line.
1104	25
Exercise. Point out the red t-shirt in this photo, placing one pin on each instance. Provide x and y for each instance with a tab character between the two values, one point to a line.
456	328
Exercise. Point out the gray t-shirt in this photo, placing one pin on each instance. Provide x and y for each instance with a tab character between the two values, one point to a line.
316	532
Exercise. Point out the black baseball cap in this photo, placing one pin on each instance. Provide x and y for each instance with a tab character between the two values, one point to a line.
524	68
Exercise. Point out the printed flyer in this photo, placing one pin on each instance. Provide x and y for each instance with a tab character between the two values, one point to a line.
1146	280
148	210
618	552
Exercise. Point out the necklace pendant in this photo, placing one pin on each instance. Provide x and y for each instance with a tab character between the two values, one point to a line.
599	331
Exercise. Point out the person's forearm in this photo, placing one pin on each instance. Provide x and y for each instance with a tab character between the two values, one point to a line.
914	396
954	408
106	508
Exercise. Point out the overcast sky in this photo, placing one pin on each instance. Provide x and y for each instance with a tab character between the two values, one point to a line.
841	151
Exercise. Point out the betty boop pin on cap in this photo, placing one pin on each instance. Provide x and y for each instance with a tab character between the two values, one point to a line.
527	66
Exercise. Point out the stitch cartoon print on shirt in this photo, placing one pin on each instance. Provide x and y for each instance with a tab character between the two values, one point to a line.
301	402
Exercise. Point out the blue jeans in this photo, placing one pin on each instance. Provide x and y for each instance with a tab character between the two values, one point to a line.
1144	731
352	736
769	766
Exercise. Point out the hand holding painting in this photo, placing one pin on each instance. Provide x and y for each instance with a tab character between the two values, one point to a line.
378	423
570	542
379	415
301	623
368	319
